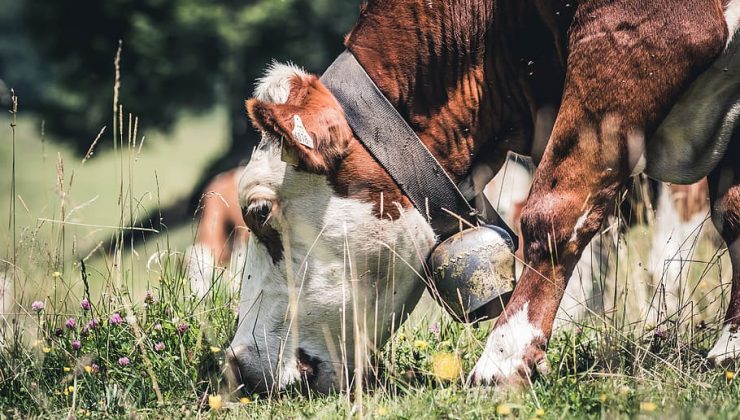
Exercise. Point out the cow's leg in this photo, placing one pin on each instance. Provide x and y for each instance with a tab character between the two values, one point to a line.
724	190
627	62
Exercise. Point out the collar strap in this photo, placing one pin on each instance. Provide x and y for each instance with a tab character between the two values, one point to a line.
395	145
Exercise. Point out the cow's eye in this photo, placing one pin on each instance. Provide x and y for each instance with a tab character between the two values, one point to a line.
257	213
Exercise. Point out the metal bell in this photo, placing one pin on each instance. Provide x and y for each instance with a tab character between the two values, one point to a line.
472	268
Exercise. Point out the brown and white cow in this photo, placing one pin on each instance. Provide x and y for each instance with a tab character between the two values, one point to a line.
593	90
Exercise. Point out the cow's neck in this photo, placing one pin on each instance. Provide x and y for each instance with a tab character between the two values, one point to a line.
433	62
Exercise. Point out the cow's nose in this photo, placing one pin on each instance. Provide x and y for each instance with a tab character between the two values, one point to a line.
241	376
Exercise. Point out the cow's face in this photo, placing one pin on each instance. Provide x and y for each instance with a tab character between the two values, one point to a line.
326	277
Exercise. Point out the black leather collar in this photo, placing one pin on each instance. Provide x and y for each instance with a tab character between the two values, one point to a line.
384	132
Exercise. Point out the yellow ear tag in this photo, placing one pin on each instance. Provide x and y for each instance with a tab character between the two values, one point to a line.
287	153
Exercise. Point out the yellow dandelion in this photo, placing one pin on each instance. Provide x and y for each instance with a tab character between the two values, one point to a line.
648	406
67	369
56	274
730	375
421	344
382	411
401	336
503	409
88	369
215	402
539	412
66	392
446	366
46	349
602	398
245	400
215	349
71	388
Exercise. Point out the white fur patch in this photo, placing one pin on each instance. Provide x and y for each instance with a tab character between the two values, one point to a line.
274	86
579	224
727	347
505	348
200	263
732	16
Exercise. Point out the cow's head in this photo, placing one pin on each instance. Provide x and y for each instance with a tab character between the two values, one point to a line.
329	273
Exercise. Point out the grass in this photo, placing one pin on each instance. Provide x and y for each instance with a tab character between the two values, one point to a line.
164	357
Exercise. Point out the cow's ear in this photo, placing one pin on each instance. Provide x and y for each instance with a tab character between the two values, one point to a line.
311	122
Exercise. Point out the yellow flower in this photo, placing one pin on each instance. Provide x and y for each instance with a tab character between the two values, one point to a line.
647	406
71	388
401	336
382	411
503	409
539	412
67	369
245	400
730	375
421	344
46	349
602	398
88	369
215	349
215	402
446	366
56	274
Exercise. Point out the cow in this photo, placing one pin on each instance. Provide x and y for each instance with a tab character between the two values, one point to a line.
595	91
221	237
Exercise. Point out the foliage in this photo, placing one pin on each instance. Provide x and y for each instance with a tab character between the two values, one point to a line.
177	54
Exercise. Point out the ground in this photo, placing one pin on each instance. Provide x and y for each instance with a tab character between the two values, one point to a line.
92	335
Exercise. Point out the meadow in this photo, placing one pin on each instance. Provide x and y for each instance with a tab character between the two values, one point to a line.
89	331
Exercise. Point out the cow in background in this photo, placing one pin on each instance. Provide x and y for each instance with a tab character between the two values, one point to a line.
220	243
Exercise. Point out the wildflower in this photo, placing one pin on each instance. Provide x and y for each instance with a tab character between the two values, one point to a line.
159	347
85	304
123	361
131	319
602	398
46	349
729	375
434	329
94	368
37	306
215	402
92	324
182	328
76	345
215	349
245	400
661	333
421	344
116	319
539	412
71	389
71	323
67	369
503	409
149	298
446	366
88	369
401	336
647	406
157	327
382	411
56	274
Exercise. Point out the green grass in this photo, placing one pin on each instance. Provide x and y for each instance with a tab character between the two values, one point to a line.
606	367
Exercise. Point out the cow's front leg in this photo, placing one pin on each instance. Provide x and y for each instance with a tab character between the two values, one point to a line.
628	60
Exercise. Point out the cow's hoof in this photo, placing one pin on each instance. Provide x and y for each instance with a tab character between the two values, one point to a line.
727	348
514	351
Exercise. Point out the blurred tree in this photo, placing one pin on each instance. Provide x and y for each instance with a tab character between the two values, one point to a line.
178	55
